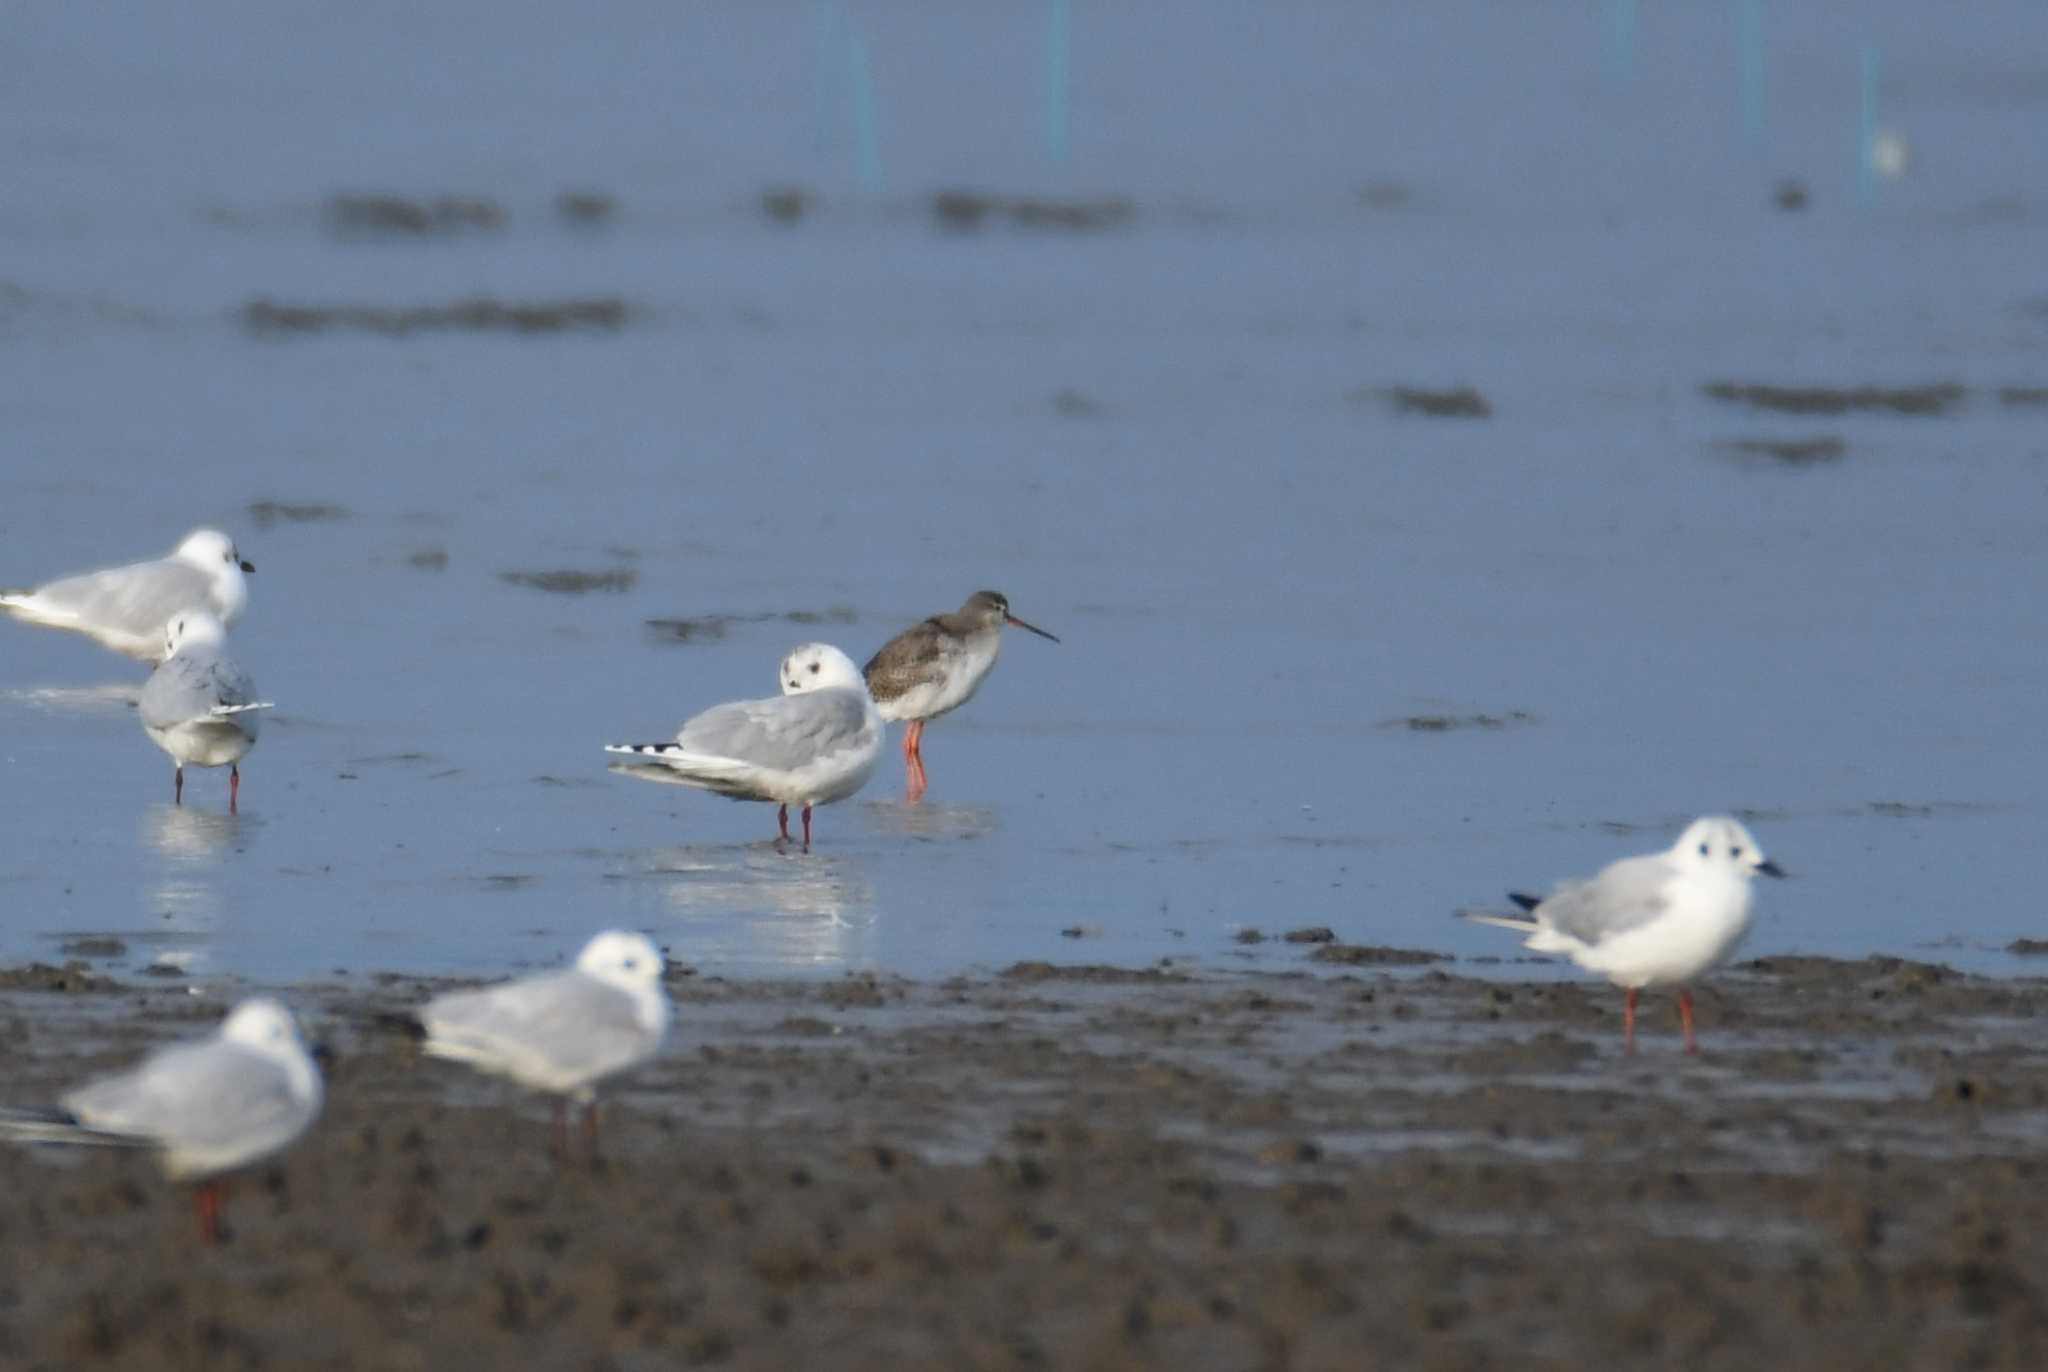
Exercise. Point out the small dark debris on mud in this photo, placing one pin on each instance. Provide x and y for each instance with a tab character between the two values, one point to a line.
1249	936
428	560
1790	195
266	513
1367	955
1899	809
1385	195
586	209
1459	402
1444	724
1788	452
1316	934
2028	947
2023	397
965	211
602	314
570	582
1934	398
711	628
787	204
363	216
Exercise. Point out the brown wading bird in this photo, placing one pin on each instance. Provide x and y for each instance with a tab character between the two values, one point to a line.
935	667
206	1108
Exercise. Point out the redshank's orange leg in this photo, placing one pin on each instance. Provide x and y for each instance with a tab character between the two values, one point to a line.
206	1206
913	760
1628	1022
1685	1017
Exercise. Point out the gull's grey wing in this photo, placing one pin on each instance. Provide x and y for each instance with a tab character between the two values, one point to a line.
212	1100
188	687
1625	895
138	599
555	1031
784	732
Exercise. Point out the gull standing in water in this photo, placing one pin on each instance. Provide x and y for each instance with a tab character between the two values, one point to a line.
935	667
206	1108
126	608
560	1032
1662	919
200	706
816	743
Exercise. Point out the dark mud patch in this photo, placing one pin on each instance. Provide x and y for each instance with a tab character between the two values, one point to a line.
266	514
428	560
1790	195
568	581
1787	452
1457	402
586	209
969	211
1070	403
1444	724
1316	934
398	216
1093	974
787	205
1369	955
711	628
98	946
73	976
2023	397
481	314
1933	399
1199	1175
2028	947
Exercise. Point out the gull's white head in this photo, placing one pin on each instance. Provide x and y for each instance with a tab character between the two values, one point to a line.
817	666
212	552
264	1025
1718	843
622	958
195	627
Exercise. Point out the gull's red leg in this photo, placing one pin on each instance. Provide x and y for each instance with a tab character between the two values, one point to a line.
1628	1022
1685	1017
807	828
782	818
234	785
206	1206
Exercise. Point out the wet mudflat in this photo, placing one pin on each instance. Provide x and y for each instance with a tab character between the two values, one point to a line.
1075	1167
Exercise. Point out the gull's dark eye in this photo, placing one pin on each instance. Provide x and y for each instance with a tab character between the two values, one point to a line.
1736	851
814	669
632	964
1703	850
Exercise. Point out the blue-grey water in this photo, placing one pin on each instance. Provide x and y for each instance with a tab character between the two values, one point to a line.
1169	442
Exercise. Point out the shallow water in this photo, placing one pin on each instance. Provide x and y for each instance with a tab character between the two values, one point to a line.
1168	443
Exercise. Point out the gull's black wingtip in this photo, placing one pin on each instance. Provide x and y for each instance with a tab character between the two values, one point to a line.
1525	900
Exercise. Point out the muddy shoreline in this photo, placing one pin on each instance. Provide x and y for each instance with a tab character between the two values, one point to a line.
1081	1167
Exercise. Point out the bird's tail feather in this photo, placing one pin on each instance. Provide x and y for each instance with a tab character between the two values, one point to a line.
57	1126
238	709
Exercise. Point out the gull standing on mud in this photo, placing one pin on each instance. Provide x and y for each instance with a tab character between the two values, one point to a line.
815	743
935	667
126	608
560	1032
1662	919
200	706
206	1108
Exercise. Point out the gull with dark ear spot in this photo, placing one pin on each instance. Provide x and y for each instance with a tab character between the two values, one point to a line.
815	743
561	1032
126	608
199	705
934	667
1662	919
204	1108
